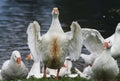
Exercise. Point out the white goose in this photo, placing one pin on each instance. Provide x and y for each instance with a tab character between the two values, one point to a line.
105	68
93	41
53	47
14	68
116	43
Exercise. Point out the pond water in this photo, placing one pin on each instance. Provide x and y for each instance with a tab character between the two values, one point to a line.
15	16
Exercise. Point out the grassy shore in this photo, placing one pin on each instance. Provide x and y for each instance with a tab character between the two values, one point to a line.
78	78
52	79
60	79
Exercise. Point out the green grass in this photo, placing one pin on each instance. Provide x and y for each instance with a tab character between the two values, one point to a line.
60	79
52	79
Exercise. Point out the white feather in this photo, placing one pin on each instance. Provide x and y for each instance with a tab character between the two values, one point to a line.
34	38
75	41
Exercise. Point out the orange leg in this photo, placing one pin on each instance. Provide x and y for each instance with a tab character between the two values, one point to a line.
44	71
57	74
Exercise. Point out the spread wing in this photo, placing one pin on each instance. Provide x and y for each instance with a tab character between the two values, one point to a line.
75	41
34	38
92	40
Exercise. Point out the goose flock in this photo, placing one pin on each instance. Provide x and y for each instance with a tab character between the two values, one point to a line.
56	49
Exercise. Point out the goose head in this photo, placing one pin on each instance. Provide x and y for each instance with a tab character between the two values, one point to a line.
107	44
55	12
16	57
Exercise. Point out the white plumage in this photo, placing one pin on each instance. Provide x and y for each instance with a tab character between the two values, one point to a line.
53	47
115	51
105	68
14	68
34	38
87	73
1	78
93	41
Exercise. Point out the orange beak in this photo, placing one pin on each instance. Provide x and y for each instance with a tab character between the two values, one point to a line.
106	45
56	10
28	57
18	61
64	66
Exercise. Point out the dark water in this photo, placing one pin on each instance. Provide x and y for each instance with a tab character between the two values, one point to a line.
15	16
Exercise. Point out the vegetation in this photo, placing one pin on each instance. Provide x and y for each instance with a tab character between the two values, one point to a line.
52	79
60	79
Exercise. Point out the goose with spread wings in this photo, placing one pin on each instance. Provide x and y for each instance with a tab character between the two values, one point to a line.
93	41
53	47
